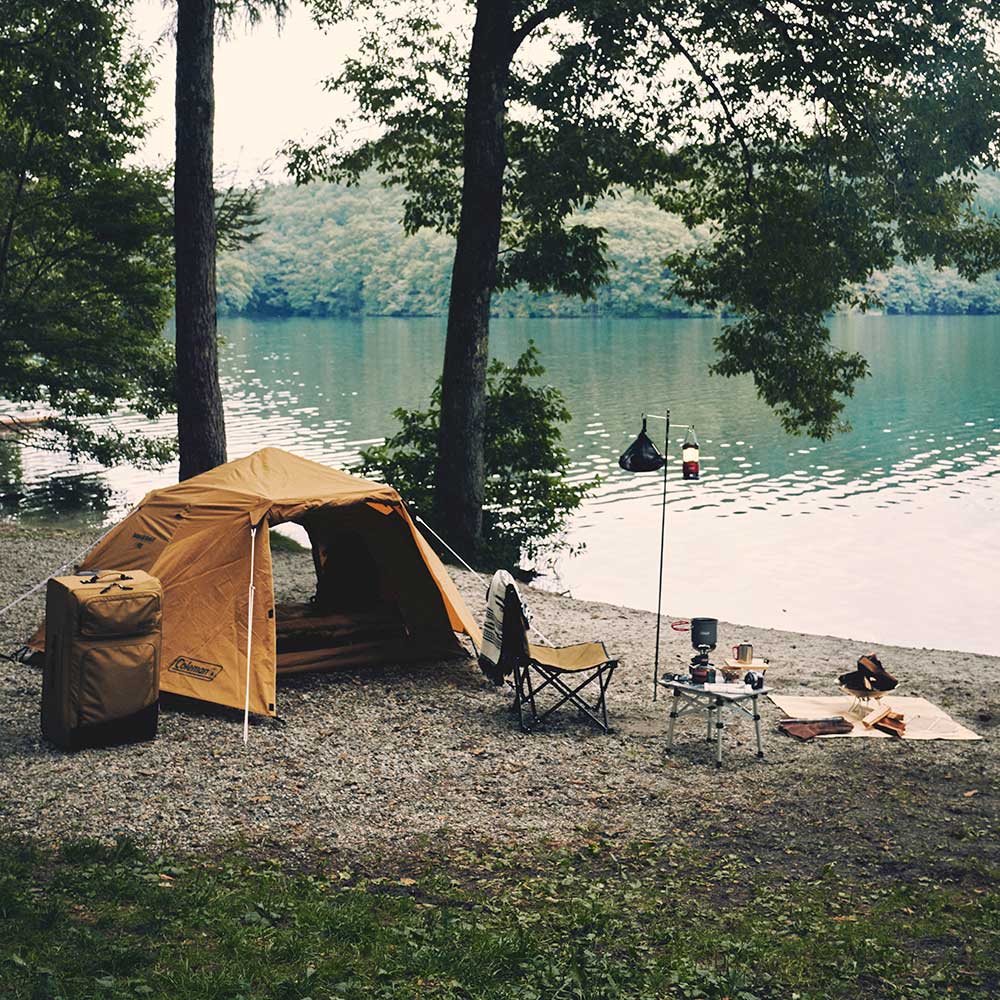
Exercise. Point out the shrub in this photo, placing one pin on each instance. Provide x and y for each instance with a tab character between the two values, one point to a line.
528	499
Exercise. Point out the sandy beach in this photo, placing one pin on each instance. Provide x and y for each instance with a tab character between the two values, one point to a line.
396	754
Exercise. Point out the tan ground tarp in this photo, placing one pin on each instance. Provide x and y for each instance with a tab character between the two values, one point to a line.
924	721
196	536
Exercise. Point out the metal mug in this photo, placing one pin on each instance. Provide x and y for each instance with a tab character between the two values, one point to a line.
743	653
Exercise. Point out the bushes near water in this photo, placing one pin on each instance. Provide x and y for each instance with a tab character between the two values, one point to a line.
528	496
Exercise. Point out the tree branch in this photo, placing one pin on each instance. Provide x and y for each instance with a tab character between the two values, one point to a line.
824	89
48	264
20	44
13	428
709	82
551	10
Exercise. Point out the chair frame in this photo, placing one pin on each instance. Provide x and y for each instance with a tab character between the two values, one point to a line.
516	652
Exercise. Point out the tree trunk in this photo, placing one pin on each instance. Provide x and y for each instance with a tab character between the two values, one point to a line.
459	477
201	425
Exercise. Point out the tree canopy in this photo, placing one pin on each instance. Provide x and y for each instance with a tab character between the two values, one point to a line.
814	141
85	257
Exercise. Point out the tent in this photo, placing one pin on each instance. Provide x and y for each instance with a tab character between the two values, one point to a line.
382	594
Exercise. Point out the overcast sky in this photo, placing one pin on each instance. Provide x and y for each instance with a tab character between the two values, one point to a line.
266	88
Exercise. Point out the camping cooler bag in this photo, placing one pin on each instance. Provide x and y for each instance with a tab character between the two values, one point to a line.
102	659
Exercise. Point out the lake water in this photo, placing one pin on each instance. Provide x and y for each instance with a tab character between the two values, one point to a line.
887	533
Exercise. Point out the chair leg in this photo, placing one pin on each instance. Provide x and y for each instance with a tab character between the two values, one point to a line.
530	683
519	696
606	676
572	694
601	705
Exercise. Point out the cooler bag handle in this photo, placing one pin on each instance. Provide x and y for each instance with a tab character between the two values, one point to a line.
98	576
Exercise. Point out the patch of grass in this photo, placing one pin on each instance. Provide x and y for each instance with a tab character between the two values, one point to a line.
603	920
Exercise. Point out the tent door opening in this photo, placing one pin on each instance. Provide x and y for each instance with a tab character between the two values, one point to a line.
373	601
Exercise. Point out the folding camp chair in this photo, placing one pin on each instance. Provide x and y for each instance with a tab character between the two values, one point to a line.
567	670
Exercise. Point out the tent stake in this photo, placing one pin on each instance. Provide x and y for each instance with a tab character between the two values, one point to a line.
246	705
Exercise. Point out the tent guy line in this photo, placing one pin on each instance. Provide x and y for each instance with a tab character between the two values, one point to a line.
420	520
59	569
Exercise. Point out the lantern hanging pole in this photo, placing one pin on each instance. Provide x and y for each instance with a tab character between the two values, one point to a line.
647	463
663	532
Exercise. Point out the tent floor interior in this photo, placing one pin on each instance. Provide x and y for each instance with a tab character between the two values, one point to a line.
309	638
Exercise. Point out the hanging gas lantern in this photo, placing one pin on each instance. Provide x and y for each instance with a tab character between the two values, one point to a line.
689	455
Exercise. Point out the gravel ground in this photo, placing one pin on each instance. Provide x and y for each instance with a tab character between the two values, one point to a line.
392	755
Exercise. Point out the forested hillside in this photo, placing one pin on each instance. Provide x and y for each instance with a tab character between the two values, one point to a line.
328	250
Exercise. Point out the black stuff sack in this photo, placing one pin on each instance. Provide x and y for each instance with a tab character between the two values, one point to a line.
641	455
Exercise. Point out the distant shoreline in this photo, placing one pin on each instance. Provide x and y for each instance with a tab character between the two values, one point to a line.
329	250
597	315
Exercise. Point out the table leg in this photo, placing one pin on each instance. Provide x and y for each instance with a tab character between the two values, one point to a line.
709	735
673	719
756	726
719	724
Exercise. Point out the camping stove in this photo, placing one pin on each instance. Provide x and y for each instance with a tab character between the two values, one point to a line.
704	635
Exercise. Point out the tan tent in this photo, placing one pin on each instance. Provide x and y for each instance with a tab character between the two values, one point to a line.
382	594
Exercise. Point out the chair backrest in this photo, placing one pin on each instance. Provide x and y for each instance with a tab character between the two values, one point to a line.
514	643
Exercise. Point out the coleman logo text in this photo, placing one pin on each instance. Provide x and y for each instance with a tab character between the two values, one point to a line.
197	669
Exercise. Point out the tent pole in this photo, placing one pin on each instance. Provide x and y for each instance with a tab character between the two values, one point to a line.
246	704
663	531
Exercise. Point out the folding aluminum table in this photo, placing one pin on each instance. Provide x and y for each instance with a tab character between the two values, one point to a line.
713	700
